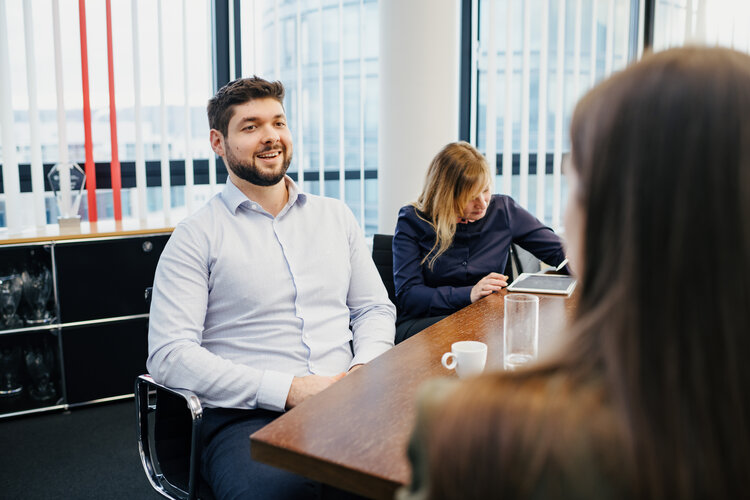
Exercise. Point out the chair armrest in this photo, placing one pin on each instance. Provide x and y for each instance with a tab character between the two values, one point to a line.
191	400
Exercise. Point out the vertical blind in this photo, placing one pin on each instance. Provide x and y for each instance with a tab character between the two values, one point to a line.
129	89
711	22
325	53
531	62
535	58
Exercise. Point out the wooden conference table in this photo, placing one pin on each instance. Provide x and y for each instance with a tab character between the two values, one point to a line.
354	434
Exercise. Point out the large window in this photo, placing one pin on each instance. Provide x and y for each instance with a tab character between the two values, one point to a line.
533	59
713	22
326	54
527	64
162	77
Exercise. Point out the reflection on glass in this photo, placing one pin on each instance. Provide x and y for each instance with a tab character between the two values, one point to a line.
40	362
10	370
37	286
11	288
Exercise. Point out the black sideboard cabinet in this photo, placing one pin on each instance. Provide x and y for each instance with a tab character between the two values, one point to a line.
92	342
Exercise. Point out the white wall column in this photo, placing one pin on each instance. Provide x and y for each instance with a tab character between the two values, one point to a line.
419	96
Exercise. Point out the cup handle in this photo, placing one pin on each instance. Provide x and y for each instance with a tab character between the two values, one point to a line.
449	364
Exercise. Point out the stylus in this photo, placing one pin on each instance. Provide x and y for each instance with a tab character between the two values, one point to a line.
562	264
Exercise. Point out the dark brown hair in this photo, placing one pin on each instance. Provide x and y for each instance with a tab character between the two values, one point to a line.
662	154
240	91
662	328
530	435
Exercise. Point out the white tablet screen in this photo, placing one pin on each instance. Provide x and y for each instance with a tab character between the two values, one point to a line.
543	283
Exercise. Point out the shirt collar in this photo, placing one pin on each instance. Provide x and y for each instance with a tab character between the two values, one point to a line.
234	198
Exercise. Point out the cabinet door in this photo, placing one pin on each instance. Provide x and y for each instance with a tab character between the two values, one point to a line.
30	371
102	360
106	278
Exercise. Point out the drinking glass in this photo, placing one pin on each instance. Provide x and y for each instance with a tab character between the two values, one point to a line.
521	329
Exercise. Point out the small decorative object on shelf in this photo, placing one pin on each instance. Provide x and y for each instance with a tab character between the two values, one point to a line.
11	288
37	286
67	181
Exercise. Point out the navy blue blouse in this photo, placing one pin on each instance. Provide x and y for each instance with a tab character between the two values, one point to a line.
478	249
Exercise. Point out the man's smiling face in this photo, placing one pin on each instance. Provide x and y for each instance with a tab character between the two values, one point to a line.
258	145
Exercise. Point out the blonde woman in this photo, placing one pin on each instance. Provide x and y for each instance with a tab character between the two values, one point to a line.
451	246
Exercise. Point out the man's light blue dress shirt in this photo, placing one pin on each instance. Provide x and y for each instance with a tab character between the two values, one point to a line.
243	302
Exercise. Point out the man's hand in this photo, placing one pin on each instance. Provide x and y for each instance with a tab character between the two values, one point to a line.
493	282
304	387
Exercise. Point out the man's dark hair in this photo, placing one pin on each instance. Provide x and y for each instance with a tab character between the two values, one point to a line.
221	106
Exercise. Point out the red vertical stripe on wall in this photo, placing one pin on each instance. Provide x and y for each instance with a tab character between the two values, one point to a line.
90	171
115	164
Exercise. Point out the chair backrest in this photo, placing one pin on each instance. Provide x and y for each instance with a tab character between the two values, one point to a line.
520	261
382	254
173	438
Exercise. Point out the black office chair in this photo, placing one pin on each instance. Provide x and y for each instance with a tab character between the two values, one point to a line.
168	431
169	424
520	261
382	254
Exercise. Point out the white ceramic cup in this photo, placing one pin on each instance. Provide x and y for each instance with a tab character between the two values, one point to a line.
521	329
466	357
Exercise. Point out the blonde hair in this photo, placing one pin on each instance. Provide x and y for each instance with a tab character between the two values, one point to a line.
455	176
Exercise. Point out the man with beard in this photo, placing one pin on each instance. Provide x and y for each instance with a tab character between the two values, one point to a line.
262	298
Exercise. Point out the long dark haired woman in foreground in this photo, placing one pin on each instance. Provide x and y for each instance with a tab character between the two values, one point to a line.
660	183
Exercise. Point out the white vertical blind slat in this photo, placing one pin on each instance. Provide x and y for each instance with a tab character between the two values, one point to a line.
254	40
688	33
230	16
362	88
342	127
208	45
164	148
11	183
491	115
700	25
508	116
577	52
525	98
189	177
541	156
37	174
609	52
321	104
298	108
557	158
594	26
276	43
140	162
62	136
474	64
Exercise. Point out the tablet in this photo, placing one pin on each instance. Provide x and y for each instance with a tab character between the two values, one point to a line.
543	283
